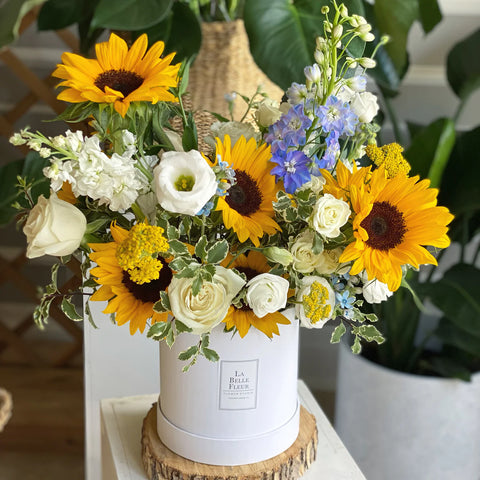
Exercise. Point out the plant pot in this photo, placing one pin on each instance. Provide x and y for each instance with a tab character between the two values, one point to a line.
224	64
242	409
400	426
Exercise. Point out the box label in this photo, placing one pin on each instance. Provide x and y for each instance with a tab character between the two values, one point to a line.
238	385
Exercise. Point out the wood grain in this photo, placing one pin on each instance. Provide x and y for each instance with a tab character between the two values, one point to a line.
162	464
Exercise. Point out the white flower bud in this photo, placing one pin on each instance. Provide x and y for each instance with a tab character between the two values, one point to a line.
364	28
319	56
366	62
367	37
17	139
337	32
343	10
278	255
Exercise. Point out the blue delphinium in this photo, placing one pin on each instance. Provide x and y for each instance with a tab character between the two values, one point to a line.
332	152
337	116
293	168
289	131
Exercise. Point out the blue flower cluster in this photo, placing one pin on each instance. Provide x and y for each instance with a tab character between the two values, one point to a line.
315	129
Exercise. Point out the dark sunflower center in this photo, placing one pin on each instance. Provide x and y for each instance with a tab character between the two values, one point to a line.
385	226
245	196
149	292
120	80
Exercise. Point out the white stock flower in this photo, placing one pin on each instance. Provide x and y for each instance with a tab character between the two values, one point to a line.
268	112
374	291
184	182
204	311
267	293
54	227
234	130
304	260
329	215
365	106
317	296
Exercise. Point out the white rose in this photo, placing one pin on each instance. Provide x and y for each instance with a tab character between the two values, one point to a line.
54	227
315	184
365	106
234	130
267	113
329	215
184	182
204	311
375	291
323	310
329	263
267	293
304	260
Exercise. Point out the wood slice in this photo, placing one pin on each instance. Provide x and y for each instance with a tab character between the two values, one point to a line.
162	464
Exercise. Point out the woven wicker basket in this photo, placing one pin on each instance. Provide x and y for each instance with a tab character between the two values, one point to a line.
225	64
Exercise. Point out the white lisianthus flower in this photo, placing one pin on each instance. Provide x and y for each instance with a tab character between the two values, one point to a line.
304	260
204	311
375	291
365	106
329	215
234	130
268	113
267	293
54	227
316	302
184	182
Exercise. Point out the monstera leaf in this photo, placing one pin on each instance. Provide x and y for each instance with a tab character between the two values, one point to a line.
282	35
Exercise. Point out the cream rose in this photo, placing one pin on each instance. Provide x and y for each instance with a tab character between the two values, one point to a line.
234	130
329	215
184	182
267	293
54	227
204	311
315	315
304	260
268	113
329	263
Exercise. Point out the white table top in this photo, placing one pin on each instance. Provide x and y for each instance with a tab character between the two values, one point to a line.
121	436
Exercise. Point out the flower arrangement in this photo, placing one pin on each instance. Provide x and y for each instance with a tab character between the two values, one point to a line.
299	208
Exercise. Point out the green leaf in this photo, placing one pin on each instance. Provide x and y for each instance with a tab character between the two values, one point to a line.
11	14
189	353
338	333
287	29
463	66
30	168
178	247
58	14
197	285
370	333
172	233
449	334
430	150
189	138
357	346
317	244
200	248
165	300
430	14
217	252
130	15
158	330
170	338
446	367
457	295
210	354
69	309
181	327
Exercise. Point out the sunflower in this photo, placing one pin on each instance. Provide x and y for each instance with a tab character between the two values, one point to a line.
129	301
242	318
118	75
394	219
248	206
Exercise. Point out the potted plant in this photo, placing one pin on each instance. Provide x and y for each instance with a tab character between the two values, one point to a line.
418	392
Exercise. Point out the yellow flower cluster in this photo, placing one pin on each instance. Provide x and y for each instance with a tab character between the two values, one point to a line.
390	156
315	303
138	253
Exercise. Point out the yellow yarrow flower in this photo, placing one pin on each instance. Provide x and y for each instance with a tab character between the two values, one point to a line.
316	303
390	156
138	253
